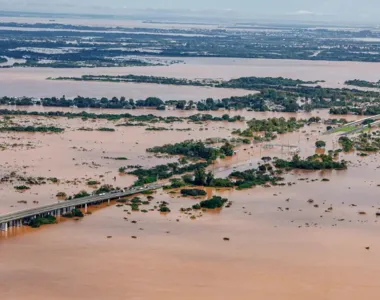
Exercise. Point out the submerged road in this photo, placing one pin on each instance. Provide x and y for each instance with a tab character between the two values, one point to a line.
17	218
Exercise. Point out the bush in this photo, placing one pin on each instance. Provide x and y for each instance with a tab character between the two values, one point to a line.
197	206
320	144
37	222
214	202
246	185
93	182
81	194
193	192
68	215
315	162
164	209
150	192
221	182
177	183
22	188
104	189
77	213
106	129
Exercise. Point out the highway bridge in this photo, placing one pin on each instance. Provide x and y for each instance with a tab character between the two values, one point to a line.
18	218
357	123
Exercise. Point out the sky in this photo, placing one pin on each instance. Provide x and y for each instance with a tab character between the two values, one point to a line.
365	11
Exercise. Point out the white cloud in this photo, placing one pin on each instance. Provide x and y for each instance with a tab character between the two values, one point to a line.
304	12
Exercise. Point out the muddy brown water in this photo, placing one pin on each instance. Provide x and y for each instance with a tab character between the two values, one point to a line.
32	81
278	249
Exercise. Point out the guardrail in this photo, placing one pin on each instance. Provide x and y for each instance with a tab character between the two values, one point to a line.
17	218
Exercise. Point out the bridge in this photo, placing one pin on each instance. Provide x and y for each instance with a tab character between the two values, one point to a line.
354	126
18	218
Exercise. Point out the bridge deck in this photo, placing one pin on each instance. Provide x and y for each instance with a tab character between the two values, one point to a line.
28	213
357	122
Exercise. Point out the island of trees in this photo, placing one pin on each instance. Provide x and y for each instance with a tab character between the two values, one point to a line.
288	96
363	83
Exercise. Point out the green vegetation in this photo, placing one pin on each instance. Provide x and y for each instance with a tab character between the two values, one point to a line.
157	129
242	180
288	98
150	118
213	203
32	129
150	192
106	129
320	144
368	142
22	187
53	179
363	83
106	188
115	158
193	192
93	182
254	177
81	194
164	209
75	213
346	128
208	117
315	162
39	221
176	183
347	143
85	129
164	172
269	127
250	83
124	169
194	149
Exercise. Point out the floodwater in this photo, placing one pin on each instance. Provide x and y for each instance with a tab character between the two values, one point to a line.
32	81
280	246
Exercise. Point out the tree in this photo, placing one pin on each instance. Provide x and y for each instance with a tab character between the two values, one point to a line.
209	178
187	178
262	168
150	101
181	105
225	117
200	176
308	107
320	144
227	149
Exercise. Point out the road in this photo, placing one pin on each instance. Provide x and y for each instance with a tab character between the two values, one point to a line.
69	204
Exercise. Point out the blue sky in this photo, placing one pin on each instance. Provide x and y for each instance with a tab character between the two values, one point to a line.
329	10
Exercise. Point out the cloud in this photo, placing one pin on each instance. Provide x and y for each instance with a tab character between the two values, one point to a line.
304	12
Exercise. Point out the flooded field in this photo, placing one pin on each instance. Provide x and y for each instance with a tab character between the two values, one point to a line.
276	238
314	238
32	81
